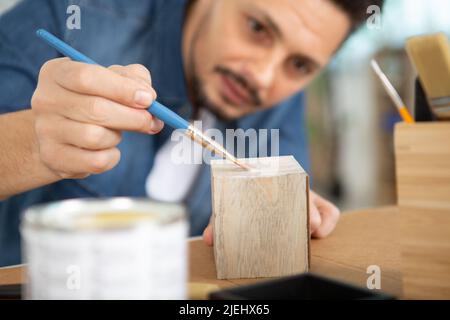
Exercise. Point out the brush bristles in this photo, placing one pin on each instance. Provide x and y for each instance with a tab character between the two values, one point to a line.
430	55
198	136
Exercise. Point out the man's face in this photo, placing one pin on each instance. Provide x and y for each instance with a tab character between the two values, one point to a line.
249	55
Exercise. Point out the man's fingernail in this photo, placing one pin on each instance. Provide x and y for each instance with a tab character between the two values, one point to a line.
156	125
143	98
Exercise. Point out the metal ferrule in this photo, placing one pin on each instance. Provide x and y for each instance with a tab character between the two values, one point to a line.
441	105
208	143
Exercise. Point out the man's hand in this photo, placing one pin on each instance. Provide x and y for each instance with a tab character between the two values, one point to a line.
323	217
81	110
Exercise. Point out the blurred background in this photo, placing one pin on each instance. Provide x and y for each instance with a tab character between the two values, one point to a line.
351	118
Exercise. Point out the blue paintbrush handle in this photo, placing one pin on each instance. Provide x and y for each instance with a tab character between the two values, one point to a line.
157	109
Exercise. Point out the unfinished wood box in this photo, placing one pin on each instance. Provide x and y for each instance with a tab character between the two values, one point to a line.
260	218
423	187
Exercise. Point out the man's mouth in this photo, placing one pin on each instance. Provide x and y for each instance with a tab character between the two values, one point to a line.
233	92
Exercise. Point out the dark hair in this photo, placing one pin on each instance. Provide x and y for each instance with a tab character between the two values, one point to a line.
356	10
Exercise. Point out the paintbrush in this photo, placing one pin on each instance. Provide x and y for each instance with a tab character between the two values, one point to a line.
401	107
430	55
157	109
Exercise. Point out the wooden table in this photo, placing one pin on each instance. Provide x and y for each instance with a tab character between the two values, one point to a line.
362	238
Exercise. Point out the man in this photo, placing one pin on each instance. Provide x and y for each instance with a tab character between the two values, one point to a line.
70	130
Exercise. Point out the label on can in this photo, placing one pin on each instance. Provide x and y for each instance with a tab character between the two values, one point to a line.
99	250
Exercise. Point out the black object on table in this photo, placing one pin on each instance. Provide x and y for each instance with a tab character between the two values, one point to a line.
302	287
11	292
422	110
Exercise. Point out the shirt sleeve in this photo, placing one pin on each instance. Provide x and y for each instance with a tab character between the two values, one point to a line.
21	53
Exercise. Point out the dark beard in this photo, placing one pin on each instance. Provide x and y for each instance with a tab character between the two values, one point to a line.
199	99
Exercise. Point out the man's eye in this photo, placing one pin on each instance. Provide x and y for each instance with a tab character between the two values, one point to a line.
256	27
301	66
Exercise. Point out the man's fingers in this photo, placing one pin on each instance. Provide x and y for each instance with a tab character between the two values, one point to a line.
82	135
135	71
72	160
208	235
329	215
106	113
81	109
315	220
99	81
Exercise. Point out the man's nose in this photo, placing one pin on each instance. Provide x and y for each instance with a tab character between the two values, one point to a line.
264	70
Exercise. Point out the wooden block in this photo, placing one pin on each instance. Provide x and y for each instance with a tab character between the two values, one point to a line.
423	184
260	218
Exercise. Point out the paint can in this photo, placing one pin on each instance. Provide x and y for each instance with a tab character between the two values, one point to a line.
119	248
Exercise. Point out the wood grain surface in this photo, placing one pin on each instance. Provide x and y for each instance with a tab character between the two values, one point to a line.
260	218
423	183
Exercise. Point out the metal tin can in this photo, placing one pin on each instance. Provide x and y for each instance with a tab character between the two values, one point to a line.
117	248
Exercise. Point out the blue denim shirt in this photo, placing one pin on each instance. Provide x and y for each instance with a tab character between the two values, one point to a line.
148	32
